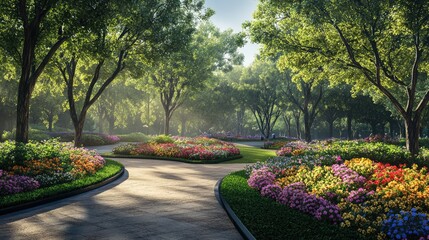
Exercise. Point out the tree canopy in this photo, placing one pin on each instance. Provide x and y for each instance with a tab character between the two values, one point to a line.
378	46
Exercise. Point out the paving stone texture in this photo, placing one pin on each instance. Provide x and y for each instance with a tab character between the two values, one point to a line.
153	200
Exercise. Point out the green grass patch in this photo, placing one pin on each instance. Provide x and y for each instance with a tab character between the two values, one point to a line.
110	169
253	154
267	219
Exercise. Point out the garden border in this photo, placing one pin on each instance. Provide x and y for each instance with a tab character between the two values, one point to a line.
245	233
173	159
60	196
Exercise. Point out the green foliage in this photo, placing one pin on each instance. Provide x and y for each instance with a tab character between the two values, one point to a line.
380	152
34	134
377	46
124	149
134	137
261	88
12	153
162	139
92	140
177	74
267	219
110	169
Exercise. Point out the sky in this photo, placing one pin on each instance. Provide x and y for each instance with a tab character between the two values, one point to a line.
231	14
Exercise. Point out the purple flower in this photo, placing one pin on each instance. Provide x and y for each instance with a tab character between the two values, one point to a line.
261	178
11	184
294	196
359	196
348	176
271	191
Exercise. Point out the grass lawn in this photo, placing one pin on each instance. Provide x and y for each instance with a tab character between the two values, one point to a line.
253	154
267	219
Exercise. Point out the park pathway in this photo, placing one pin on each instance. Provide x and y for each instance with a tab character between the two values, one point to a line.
153	200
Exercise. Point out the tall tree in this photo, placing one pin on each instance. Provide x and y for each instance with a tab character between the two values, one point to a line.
138	26
306	96
32	31
262	84
175	75
380	45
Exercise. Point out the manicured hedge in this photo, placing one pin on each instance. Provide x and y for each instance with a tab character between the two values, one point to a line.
267	219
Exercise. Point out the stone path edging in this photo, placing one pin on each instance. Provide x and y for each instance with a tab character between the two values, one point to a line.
245	233
49	199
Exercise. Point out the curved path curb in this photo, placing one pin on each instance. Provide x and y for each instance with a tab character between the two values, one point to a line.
154	199
36	203
245	233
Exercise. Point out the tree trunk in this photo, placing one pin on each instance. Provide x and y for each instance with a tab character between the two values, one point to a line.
22	114
78	129
298	127
167	123
111	121
240	118
373	128
349	128
331	129
307	127
50	121
412	130
100	123
183	128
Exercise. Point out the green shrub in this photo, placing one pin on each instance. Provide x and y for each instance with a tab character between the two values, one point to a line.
162	139
380	152
33	134
92	140
134	137
12	153
124	149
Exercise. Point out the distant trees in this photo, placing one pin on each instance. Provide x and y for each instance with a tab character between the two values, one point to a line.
176	74
96	60
32	32
306	96
261	85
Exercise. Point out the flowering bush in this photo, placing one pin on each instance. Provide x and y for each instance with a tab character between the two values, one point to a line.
43	164
199	148
360	194
294	196
406	225
10	184
261	178
277	164
294	149
271	191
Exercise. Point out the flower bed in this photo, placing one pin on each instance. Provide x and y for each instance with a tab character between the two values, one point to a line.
38	165
199	148
88	139
377	151
378	200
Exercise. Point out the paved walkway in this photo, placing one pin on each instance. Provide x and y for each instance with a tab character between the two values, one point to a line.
153	200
